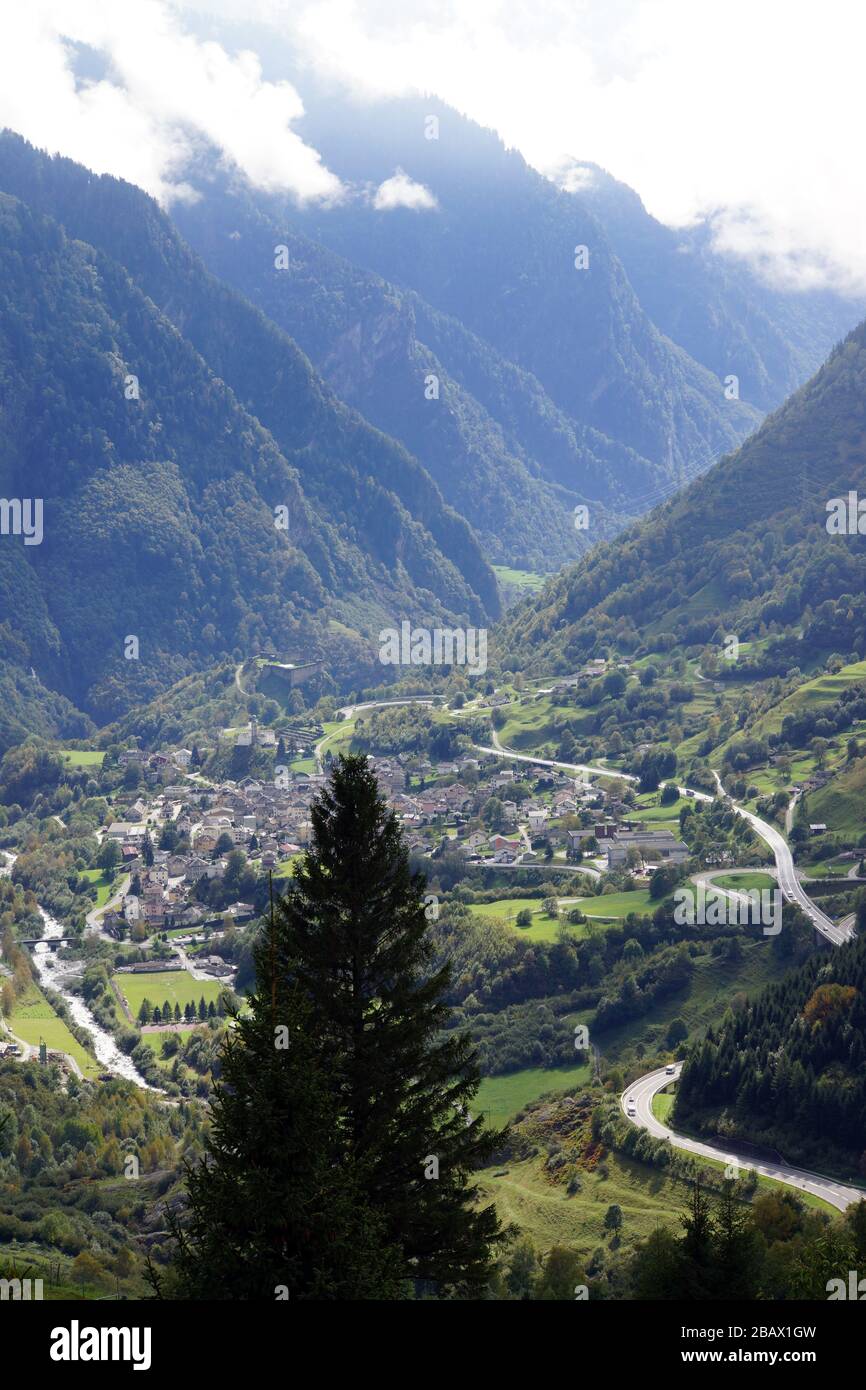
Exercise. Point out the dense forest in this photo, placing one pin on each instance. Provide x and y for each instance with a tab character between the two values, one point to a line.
787	1070
167	485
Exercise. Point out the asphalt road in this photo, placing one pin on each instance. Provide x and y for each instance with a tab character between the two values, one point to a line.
641	1093
786	875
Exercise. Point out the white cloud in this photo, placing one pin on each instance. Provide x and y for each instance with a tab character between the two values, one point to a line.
402	192
744	114
164	90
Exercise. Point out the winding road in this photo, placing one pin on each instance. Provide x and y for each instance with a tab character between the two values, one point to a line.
786	874
640	1096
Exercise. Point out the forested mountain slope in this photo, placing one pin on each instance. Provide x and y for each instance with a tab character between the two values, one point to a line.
498	253
789	1070
716	307
160	510
743	550
503	454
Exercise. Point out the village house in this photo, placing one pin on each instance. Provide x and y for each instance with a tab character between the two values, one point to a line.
196	868
500	843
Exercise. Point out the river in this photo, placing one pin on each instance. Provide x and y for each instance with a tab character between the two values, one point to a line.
54	974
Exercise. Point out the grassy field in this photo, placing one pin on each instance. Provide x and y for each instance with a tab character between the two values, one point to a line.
500	1097
549	1216
543	928
829	868
525	1196
743	881
338	735
531	723
663	1104
33	1018
618	905
177	986
608	907
302	765
104	888
661	817
841	804
519	579
82	757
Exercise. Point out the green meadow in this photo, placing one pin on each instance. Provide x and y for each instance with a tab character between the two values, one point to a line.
33	1019
501	1097
177	986
82	757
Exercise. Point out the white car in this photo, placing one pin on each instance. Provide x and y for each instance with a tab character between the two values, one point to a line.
631	1112
670	1069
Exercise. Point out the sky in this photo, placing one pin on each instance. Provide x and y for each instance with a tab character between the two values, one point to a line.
744	113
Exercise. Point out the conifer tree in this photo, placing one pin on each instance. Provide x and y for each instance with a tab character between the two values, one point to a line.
273	1213
359	949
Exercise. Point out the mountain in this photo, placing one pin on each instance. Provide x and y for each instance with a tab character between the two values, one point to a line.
159	512
725	316
526	387
622	366
743	550
497	252
503	454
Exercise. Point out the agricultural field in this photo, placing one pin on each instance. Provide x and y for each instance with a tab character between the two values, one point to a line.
177	986
33	1018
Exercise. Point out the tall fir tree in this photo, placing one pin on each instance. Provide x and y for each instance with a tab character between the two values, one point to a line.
359	950
273	1212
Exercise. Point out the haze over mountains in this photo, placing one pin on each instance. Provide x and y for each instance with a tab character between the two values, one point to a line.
426	389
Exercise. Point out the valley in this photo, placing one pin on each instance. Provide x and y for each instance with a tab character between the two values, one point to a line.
433	673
